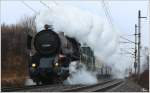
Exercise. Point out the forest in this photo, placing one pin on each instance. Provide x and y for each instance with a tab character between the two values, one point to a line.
14	52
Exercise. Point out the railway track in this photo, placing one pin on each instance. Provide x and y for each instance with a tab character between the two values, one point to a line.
12	89
39	88
102	86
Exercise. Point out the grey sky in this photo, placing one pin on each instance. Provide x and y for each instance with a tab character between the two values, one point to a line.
124	13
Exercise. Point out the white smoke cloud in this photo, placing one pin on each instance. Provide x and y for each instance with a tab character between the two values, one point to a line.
80	75
85	27
82	25
29	82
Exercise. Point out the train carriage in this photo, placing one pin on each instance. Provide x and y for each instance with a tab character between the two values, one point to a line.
87	57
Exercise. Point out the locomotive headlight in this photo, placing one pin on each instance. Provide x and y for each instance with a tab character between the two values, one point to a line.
33	65
56	64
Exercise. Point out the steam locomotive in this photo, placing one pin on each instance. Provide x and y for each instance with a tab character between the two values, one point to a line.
54	52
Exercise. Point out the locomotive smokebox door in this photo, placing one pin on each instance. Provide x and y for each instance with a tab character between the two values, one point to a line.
47	42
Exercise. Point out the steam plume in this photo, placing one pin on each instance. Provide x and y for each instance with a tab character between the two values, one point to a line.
79	75
82	25
85	27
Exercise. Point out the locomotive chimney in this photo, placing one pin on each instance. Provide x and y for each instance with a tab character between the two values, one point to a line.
46	26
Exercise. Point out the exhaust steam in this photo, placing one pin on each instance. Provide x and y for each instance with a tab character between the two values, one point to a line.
80	75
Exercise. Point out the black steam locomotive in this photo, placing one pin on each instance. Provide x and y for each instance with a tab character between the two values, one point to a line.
54	52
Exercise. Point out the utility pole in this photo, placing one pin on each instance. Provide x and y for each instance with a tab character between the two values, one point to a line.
139	39
135	52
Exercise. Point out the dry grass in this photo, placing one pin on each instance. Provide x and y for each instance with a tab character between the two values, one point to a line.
15	72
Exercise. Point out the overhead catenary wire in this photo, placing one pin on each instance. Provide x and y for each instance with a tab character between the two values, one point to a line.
29	7
127	39
31	21
45	5
107	13
110	19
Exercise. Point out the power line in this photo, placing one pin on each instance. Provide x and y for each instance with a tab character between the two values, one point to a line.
110	19
107	13
130	35
45	4
29	7
127	39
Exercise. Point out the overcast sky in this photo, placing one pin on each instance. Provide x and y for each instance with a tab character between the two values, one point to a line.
124	13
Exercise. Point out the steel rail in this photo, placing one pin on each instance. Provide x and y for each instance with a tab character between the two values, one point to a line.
97	87
54	87
13	89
